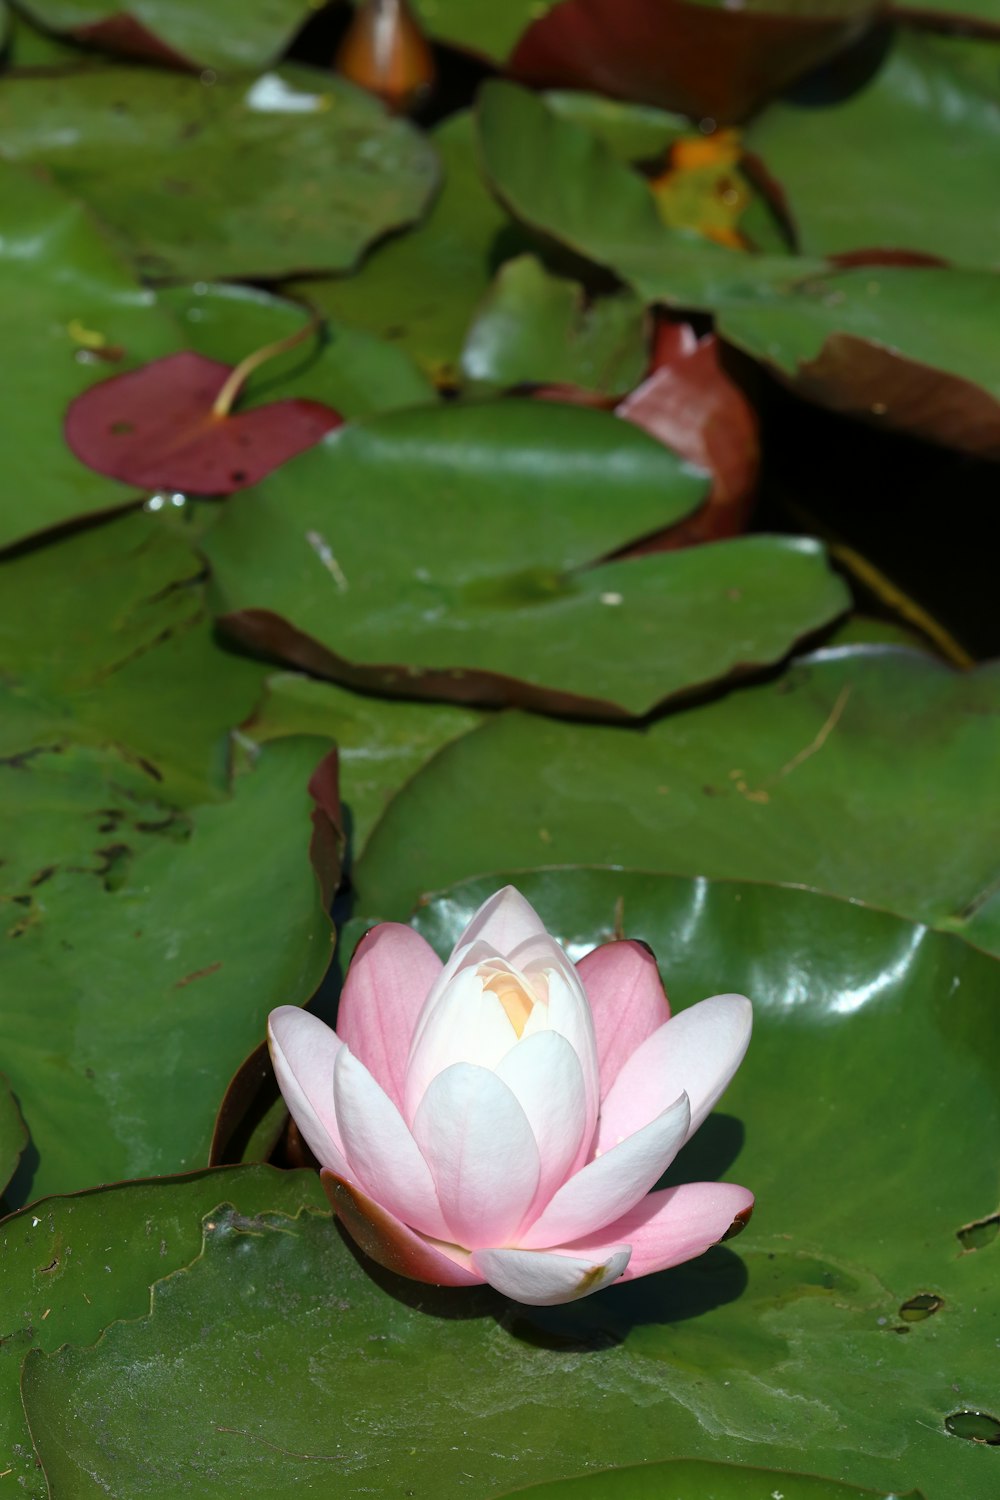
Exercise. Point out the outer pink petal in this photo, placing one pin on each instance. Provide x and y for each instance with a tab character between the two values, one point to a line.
381	1154
697	1050
304	1052
476	1139
610	1185
543	1278
672	1226
393	1244
502	922
627	1000
390	977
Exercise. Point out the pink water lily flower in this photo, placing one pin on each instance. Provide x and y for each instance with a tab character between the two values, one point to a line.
502	1117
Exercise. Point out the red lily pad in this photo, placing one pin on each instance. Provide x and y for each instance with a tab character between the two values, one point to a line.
690	403
156	428
701	59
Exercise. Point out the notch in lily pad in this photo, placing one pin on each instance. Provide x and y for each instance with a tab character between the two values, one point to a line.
171	425
980	1233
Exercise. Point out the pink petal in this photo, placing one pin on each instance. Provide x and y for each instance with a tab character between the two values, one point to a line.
391	1243
697	1050
390	977
467	1025
672	1226
476	1139
610	1185
304	1052
543	1073
544	1278
502	922
381	1154
627	1001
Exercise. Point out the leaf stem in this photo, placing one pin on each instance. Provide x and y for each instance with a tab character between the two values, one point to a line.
238	377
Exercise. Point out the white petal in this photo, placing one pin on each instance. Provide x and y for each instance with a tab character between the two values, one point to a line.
304	1051
476	1139
545	1278
502	922
610	1185
543	1073
381	1152
468	1025
568	1014
698	1050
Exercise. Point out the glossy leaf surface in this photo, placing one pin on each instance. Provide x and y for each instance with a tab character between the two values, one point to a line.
683	1479
536	327
144	952
78	317
381	743
133	1234
904	163
378	593
867	772
419	291
906	348
234	34
749	1355
107	641
159	158
13	1135
556	176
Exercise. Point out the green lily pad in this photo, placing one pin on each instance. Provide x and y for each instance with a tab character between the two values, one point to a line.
536	327
74	1265
488	28
347	368
905	348
79	317
165	161
459	568
981	16
108	641
381	744
906	163
23	45
863	1083
560	179
13	1135
696	1479
867	772
420	290
634	132
233	34
144	949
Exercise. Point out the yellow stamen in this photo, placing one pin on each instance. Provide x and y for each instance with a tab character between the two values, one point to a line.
515	1000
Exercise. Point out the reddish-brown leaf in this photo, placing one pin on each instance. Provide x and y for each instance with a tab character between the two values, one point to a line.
704	60
155	428
690	403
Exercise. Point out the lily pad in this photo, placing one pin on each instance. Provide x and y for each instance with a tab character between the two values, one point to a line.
864	771
144	949
557	177
347	368
227	35
489	597
108	642
710	60
634	132
166	160
73	1265
419	291
13	1135
868	1038
696	1479
906	163
381	743
536	327
77	318
906	348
